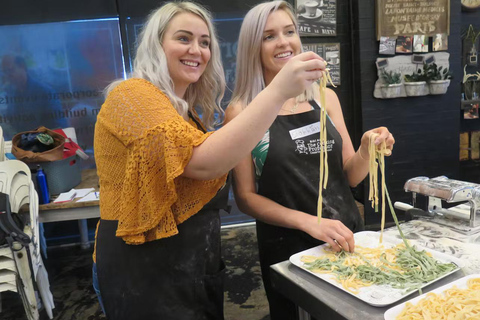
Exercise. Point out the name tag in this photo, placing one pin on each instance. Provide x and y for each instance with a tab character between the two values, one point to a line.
305	131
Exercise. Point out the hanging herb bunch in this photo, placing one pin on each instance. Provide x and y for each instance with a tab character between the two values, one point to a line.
470	45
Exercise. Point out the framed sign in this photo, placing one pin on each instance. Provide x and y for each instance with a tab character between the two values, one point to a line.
470	5
331	53
420	17
317	17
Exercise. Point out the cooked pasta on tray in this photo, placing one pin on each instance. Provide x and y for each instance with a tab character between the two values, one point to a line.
377	274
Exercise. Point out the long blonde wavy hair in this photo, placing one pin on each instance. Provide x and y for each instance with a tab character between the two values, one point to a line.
249	73
150	63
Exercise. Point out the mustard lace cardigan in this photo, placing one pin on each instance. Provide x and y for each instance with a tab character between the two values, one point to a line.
142	146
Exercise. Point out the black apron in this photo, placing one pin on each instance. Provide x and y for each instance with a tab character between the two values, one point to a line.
177	278
290	177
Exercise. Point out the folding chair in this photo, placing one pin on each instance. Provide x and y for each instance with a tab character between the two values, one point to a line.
15	180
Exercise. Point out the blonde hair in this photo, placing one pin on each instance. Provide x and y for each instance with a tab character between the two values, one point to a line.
150	63
249	74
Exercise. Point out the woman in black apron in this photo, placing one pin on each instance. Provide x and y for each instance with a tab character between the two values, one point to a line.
187	281
286	162
293	183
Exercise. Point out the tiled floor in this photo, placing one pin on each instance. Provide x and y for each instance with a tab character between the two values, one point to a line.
71	283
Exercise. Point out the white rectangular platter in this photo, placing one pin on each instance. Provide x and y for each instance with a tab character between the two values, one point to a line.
461	283
375	295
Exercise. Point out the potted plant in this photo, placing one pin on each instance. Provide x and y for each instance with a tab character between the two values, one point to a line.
392	86
415	84
438	80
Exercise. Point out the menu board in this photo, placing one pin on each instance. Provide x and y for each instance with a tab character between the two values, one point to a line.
409	17
331	53
317	17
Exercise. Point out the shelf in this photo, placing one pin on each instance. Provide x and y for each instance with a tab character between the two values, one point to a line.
467	104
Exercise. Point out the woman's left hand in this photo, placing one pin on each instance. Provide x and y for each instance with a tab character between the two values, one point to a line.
383	135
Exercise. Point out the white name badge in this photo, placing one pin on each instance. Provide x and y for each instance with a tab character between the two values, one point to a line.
305	131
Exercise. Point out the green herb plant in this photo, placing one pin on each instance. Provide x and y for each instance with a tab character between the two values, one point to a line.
391	77
435	73
415	76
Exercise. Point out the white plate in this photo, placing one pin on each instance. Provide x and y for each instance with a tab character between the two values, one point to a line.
461	283
375	295
318	14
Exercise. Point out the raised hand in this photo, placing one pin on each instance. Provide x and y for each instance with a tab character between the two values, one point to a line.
382	135
298	74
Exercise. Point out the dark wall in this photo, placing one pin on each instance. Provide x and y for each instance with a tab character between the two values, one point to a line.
344	91
35	11
141	8
426	129
470	18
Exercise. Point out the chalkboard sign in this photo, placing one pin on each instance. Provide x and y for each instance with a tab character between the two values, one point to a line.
418	59
317	17
383	63
430	59
408	17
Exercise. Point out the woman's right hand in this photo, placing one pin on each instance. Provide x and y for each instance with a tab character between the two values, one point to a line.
333	232
298	74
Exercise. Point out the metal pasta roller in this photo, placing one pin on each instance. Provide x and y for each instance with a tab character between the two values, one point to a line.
464	217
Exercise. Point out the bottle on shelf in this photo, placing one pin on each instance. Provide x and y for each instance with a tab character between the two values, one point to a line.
44	196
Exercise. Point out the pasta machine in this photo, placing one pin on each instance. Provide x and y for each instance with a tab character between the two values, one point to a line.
463	217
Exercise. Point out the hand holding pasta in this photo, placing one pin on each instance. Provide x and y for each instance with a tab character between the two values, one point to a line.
382	135
298	74
333	232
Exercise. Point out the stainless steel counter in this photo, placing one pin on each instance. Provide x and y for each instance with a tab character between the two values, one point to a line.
324	301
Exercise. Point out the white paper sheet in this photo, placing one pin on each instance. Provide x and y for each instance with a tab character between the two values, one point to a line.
66	196
92	196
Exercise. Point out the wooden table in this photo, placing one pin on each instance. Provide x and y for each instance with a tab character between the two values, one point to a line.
74	210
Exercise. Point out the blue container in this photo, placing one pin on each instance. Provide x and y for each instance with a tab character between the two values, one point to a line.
42	186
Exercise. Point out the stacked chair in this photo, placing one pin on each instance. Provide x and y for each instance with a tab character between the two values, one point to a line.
21	266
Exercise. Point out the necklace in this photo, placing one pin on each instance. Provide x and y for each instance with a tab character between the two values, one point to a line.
292	109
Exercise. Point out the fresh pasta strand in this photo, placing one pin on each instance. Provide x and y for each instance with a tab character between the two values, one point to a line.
323	142
373	172
382	168
377	155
